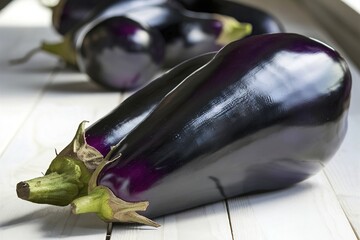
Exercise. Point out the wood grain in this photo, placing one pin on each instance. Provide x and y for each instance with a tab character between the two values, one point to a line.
205	223
307	211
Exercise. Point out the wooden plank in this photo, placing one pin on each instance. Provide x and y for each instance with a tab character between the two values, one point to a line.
22	85
343	173
307	211
208	223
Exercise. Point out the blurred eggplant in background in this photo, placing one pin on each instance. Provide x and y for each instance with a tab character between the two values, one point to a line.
125	45
262	22
70	13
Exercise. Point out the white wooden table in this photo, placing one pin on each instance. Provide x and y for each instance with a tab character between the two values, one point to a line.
41	105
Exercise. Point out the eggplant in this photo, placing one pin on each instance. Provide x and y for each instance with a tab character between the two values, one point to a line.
121	54
70	13
109	130
262	22
285	94
186	34
121	50
82	155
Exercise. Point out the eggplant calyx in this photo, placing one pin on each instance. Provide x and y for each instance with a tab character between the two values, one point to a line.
102	201
232	29
57	187
63	49
82	151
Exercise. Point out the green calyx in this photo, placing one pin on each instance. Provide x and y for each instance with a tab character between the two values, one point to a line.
68	175
102	201
110	208
64	50
72	178
79	149
232	29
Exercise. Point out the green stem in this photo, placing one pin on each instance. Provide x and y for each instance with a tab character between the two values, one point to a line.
64	50
26	57
232	29
56	188
110	208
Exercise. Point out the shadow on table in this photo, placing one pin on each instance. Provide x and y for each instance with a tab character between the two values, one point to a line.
55	222
77	87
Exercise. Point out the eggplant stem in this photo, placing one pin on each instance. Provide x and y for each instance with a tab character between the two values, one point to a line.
68	175
102	201
232	29
55	188
63	49
26	57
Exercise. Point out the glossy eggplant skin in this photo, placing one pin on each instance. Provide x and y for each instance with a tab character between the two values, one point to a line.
109	130
122	54
265	113
113	59
262	22
186	34
69	13
72	13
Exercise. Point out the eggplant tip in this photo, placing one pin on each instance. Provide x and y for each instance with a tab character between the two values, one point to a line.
23	190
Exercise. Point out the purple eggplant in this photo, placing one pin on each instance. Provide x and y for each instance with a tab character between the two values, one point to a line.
109	130
120	54
99	56
77	160
285	94
186	33
70	14
126	45
261	21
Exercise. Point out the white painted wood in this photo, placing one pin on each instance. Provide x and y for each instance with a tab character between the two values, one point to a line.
22	85
307	211
205	223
